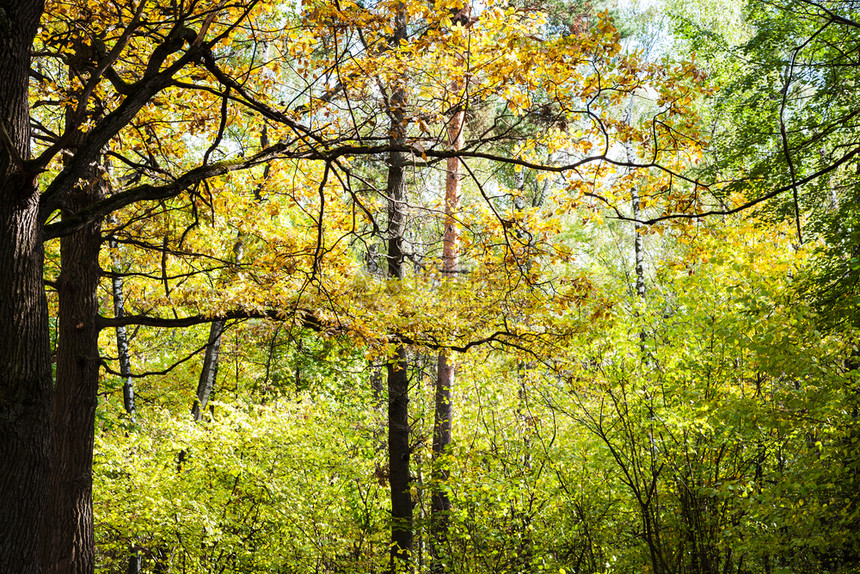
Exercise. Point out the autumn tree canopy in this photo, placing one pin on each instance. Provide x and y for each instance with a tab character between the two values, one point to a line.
282	205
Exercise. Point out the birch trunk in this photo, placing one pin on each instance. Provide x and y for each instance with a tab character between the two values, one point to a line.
122	338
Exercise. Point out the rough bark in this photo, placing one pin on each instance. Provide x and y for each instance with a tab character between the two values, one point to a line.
68	544
443	412
399	461
398	380
25	365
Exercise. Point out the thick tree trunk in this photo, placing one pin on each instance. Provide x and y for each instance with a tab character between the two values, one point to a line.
25	380
25	362
69	545
398	380
440	505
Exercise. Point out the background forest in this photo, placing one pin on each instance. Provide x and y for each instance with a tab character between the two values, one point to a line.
342	286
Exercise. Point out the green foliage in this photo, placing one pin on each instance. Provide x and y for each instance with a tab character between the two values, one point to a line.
709	427
263	489
786	126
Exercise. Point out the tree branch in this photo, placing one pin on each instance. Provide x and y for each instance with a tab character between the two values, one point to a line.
845	158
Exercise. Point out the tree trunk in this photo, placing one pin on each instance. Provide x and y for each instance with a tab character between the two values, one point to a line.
398	461
444	412
638	244
68	545
124	367
210	369
398	380
25	360
639	264
122	339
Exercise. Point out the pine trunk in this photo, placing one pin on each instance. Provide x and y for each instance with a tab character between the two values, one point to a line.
444	412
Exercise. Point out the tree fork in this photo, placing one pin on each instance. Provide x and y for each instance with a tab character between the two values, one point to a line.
69	535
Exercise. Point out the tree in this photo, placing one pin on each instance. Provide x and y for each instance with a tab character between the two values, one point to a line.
119	81
25	395
119	64
786	131
443	411
399	450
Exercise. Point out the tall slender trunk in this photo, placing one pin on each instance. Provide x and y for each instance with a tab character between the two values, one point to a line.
524	552
122	338
649	506
638	239
398	460
25	359
639	261
398	380
444	411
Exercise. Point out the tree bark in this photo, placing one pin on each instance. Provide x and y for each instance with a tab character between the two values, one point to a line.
398	380
399	461
25	363
122	339
638	243
209	372
440	505
69	541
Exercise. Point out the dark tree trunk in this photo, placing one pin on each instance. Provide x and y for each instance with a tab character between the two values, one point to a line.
398	380
25	361
440	502
134	564
69	546
209	372
398	461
